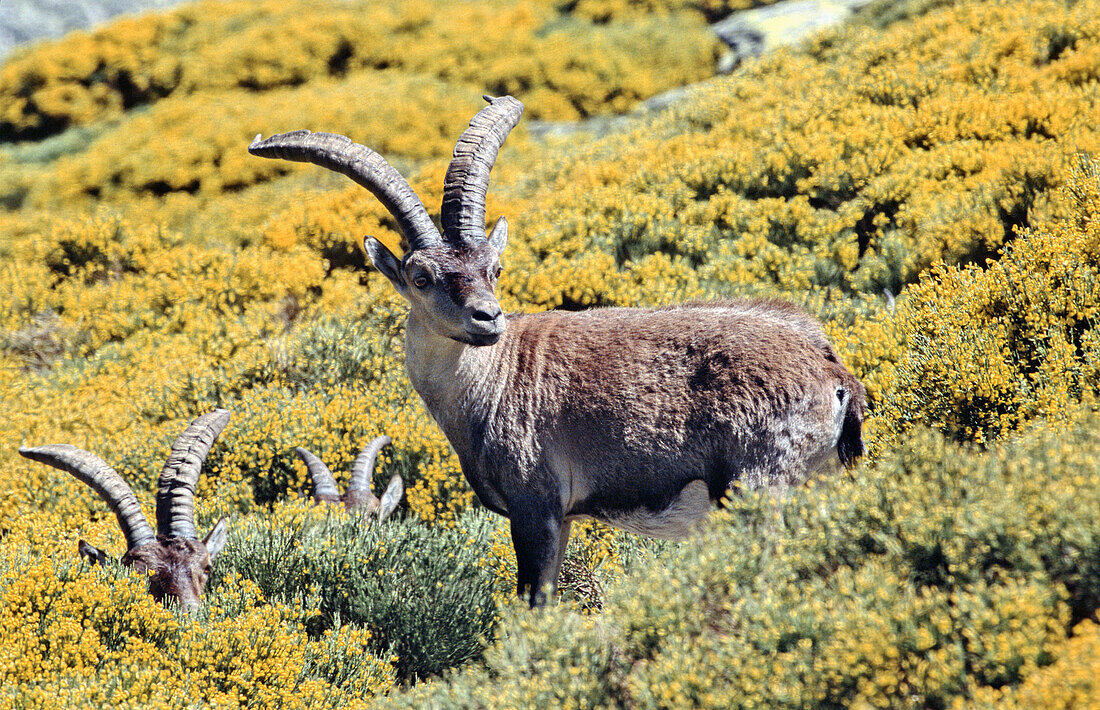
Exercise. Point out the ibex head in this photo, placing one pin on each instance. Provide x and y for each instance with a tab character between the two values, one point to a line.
359	496
178	563
449	277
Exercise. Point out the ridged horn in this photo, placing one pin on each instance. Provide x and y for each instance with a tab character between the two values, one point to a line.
362	471
467	180
105	481
394	490
324	483
364	166
176	486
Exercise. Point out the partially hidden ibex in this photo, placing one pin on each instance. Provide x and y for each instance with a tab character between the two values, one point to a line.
636	417
178	563
359	496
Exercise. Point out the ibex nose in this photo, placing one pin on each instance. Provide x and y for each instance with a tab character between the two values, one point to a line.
486	311
484	321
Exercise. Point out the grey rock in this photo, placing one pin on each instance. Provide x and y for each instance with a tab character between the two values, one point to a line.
752	32
23	21
748	33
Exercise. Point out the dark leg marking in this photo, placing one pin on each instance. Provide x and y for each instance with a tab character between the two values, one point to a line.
536	535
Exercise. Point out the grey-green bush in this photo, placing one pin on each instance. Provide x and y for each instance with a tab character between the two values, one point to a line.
422	591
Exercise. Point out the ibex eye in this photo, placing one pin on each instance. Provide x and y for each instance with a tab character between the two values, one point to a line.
420	281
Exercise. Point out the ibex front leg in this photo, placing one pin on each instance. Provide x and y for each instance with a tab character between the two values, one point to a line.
539	536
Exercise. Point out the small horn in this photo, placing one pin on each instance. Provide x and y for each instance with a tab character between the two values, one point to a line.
105	481
176	486
364	166
324	483
467	179
394	490
362	471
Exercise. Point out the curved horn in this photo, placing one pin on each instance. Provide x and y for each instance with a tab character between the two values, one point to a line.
363	469
394	490
467	180
364	166
105	481
176	487
324	483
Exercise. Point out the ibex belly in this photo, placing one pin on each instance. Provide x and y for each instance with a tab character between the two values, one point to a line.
677	521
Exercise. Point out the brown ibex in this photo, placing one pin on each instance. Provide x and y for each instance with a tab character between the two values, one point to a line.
178	563
359	496
636	417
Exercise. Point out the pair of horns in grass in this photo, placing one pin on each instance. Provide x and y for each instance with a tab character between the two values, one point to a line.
177	561
175	504
359	495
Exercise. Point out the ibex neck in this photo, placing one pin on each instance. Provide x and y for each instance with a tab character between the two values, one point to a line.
454	380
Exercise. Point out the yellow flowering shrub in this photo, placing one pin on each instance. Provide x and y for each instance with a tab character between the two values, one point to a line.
153	270
88	637
560	65
853	166
1071	682
986	349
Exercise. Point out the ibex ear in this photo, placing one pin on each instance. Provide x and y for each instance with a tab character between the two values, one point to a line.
498	238
391	497
93	554
384	260
215	539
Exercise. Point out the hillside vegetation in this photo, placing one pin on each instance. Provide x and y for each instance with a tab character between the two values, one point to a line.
919	180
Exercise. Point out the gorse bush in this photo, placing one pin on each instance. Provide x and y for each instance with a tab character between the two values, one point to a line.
987	349
933	576
561	66
152	270
851	167
129	651
1070	682
425	594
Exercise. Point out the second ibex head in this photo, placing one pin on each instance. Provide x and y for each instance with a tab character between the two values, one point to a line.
359	495
177	561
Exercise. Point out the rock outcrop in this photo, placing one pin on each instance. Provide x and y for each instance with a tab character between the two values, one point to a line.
23	21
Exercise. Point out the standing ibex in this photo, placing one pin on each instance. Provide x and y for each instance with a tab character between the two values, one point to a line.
176	560
359	495
636	417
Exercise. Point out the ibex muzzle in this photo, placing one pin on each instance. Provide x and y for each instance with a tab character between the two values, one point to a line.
177	562
640	418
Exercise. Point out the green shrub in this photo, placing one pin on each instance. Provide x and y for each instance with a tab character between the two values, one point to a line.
331	350
937	573
424	592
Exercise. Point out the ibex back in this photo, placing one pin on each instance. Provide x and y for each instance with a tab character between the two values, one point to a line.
636	417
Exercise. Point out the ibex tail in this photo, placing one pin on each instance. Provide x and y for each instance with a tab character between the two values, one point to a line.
850	445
